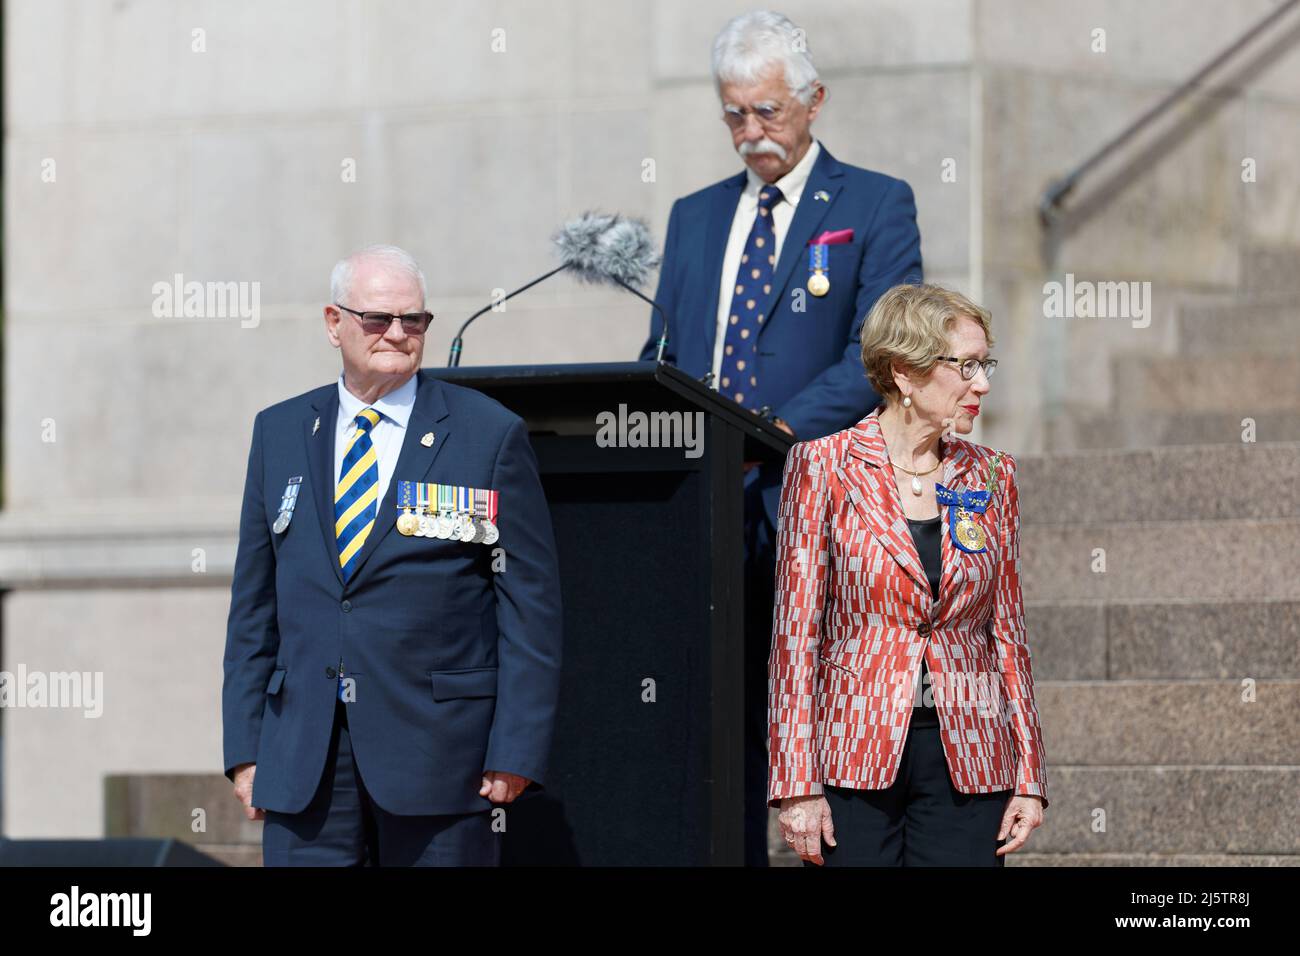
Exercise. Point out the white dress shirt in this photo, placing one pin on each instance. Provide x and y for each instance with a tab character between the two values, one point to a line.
791	186
387	436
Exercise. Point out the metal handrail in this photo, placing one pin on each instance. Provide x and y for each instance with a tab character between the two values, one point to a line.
1054	195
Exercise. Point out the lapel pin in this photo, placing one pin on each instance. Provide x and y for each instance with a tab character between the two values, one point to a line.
427	440
316	427
823	195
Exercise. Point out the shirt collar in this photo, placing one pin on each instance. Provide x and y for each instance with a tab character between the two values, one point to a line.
793	182
395	406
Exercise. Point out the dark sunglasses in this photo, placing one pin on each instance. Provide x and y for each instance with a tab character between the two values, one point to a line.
377	323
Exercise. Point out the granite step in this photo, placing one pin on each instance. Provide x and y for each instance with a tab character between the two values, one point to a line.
1181	384
1143	723
1171	809
1025	858
1265	326
1267	270
1157	561
1081	430
1177	640
1258	480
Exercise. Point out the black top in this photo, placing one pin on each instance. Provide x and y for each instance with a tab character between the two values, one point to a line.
927	534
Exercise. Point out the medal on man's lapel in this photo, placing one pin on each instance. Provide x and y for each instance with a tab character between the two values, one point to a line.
287	502
819	282
407	522
965	532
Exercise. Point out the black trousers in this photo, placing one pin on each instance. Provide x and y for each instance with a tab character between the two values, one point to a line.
343	826
922	820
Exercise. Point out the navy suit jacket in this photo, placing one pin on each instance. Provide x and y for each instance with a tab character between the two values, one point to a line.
809	362
456	665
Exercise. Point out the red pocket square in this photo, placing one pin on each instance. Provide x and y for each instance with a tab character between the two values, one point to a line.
833	238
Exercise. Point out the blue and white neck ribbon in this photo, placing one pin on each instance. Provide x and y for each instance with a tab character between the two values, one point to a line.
964	504
976	501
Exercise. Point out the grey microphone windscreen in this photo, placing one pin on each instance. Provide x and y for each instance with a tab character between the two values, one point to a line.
603	248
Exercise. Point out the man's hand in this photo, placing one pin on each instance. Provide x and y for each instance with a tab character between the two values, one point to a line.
244	774
1020	818
804	822
779	423
501	787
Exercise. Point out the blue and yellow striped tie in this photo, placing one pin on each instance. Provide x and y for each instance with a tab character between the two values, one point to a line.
357	495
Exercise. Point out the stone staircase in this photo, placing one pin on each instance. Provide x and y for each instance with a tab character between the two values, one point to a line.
1157	755
1141	670
1169	684
1232	357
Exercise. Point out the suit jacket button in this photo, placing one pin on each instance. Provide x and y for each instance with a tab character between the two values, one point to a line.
329	672
346	605
923	628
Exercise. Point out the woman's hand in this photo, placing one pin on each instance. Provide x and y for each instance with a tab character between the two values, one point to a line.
1019	819
804	821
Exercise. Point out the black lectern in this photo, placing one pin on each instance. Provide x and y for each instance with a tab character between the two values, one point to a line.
644	469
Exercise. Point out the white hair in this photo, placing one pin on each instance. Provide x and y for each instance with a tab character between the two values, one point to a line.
343	271
750	43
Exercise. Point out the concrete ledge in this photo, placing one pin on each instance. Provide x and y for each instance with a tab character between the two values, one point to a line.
111	548
166	805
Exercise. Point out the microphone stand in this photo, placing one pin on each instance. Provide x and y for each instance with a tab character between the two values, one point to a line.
453	360
663	338
457	344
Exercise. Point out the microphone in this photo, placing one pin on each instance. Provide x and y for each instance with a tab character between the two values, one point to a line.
601	249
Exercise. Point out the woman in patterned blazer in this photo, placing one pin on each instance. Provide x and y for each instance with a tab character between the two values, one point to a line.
903	729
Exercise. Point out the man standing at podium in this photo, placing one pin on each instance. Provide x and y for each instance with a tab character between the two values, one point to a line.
766	279
393	647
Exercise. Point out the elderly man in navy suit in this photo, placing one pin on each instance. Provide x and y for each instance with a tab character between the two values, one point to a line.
393	646
766	279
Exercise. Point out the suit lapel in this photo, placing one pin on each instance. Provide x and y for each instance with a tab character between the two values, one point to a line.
958	462
871	488
808	215
320	457
429	414
869	480
721	213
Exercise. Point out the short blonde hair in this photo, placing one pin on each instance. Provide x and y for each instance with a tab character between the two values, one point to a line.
909	324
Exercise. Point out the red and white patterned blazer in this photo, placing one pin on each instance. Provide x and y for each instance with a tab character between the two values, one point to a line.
854	612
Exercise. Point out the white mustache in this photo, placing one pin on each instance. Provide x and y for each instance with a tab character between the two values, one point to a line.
764	145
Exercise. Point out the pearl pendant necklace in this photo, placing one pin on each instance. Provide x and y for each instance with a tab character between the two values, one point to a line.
917	475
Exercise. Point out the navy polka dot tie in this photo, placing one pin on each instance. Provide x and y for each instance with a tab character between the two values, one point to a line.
739	373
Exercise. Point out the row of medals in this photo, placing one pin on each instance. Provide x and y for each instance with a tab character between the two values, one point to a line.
448	526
